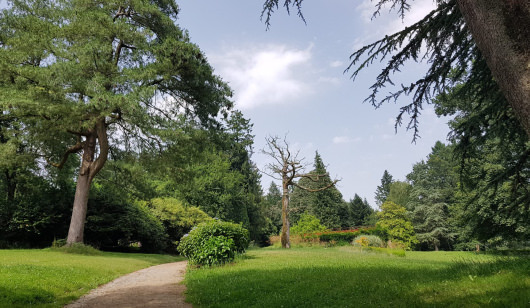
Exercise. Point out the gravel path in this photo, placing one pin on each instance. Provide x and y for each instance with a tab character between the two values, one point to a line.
156	286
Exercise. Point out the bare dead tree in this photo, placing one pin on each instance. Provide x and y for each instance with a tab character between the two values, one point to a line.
287	167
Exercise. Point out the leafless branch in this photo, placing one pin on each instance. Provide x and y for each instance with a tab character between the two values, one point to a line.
317	189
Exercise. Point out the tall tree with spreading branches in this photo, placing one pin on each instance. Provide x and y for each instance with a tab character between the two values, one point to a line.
486	42
85	76
288	167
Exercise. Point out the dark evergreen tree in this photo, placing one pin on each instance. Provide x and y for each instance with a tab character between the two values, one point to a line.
383	190
325	205
273	206
493	155
360	211
434	184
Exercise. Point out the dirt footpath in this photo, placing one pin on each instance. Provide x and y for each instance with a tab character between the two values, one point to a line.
156	286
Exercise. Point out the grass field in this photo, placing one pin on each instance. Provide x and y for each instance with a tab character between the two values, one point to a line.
45	278
345	277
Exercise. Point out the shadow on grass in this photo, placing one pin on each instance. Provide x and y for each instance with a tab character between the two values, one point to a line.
382	285
24	297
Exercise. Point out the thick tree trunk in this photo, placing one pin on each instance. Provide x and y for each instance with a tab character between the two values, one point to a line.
501	30
286	242
436	248
77	223
87	172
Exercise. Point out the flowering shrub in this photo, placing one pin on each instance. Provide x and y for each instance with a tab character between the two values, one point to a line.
367	241
214	242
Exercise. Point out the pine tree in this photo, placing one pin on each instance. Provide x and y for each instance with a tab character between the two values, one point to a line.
86	76
360	211
383	190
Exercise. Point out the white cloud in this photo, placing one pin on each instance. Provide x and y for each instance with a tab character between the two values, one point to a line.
329	80
345	139
388	22
266	75
336	63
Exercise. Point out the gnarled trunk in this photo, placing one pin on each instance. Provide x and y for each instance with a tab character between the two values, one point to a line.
286	242
501	30
87	172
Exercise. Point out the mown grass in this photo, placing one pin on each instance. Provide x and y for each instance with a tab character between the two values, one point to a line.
345	277
47	278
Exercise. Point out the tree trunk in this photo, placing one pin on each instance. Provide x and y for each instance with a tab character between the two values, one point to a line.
87	172
77	223
501	30
286	242
436	248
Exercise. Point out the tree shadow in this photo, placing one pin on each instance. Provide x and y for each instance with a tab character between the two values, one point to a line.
383	285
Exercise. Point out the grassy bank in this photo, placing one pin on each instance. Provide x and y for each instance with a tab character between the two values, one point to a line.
345	277
45	278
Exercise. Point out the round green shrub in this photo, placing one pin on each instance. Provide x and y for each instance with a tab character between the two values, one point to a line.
214	242
307	224
371	240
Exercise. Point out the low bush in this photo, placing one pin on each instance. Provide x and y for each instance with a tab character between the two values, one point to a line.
368	241
214	242
76	248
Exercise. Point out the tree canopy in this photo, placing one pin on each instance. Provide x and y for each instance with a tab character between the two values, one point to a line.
85	77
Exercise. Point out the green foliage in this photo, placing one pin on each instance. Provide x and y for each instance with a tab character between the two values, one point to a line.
383	190
399	193
347	236
214	242
273	206
393	219
359	211
97	77
307	224
326	205
115	222
371	241
37	211
176	218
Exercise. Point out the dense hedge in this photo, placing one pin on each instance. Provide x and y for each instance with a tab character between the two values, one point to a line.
214	242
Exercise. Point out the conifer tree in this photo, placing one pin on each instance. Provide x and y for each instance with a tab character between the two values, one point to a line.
86	76
383	190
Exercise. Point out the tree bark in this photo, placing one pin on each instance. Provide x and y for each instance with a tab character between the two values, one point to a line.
77	222
286	242
87	172
501	31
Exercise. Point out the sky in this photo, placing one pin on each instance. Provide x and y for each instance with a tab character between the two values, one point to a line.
290	82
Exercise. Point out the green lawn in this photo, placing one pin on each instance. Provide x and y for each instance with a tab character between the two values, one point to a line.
345	277
45	278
